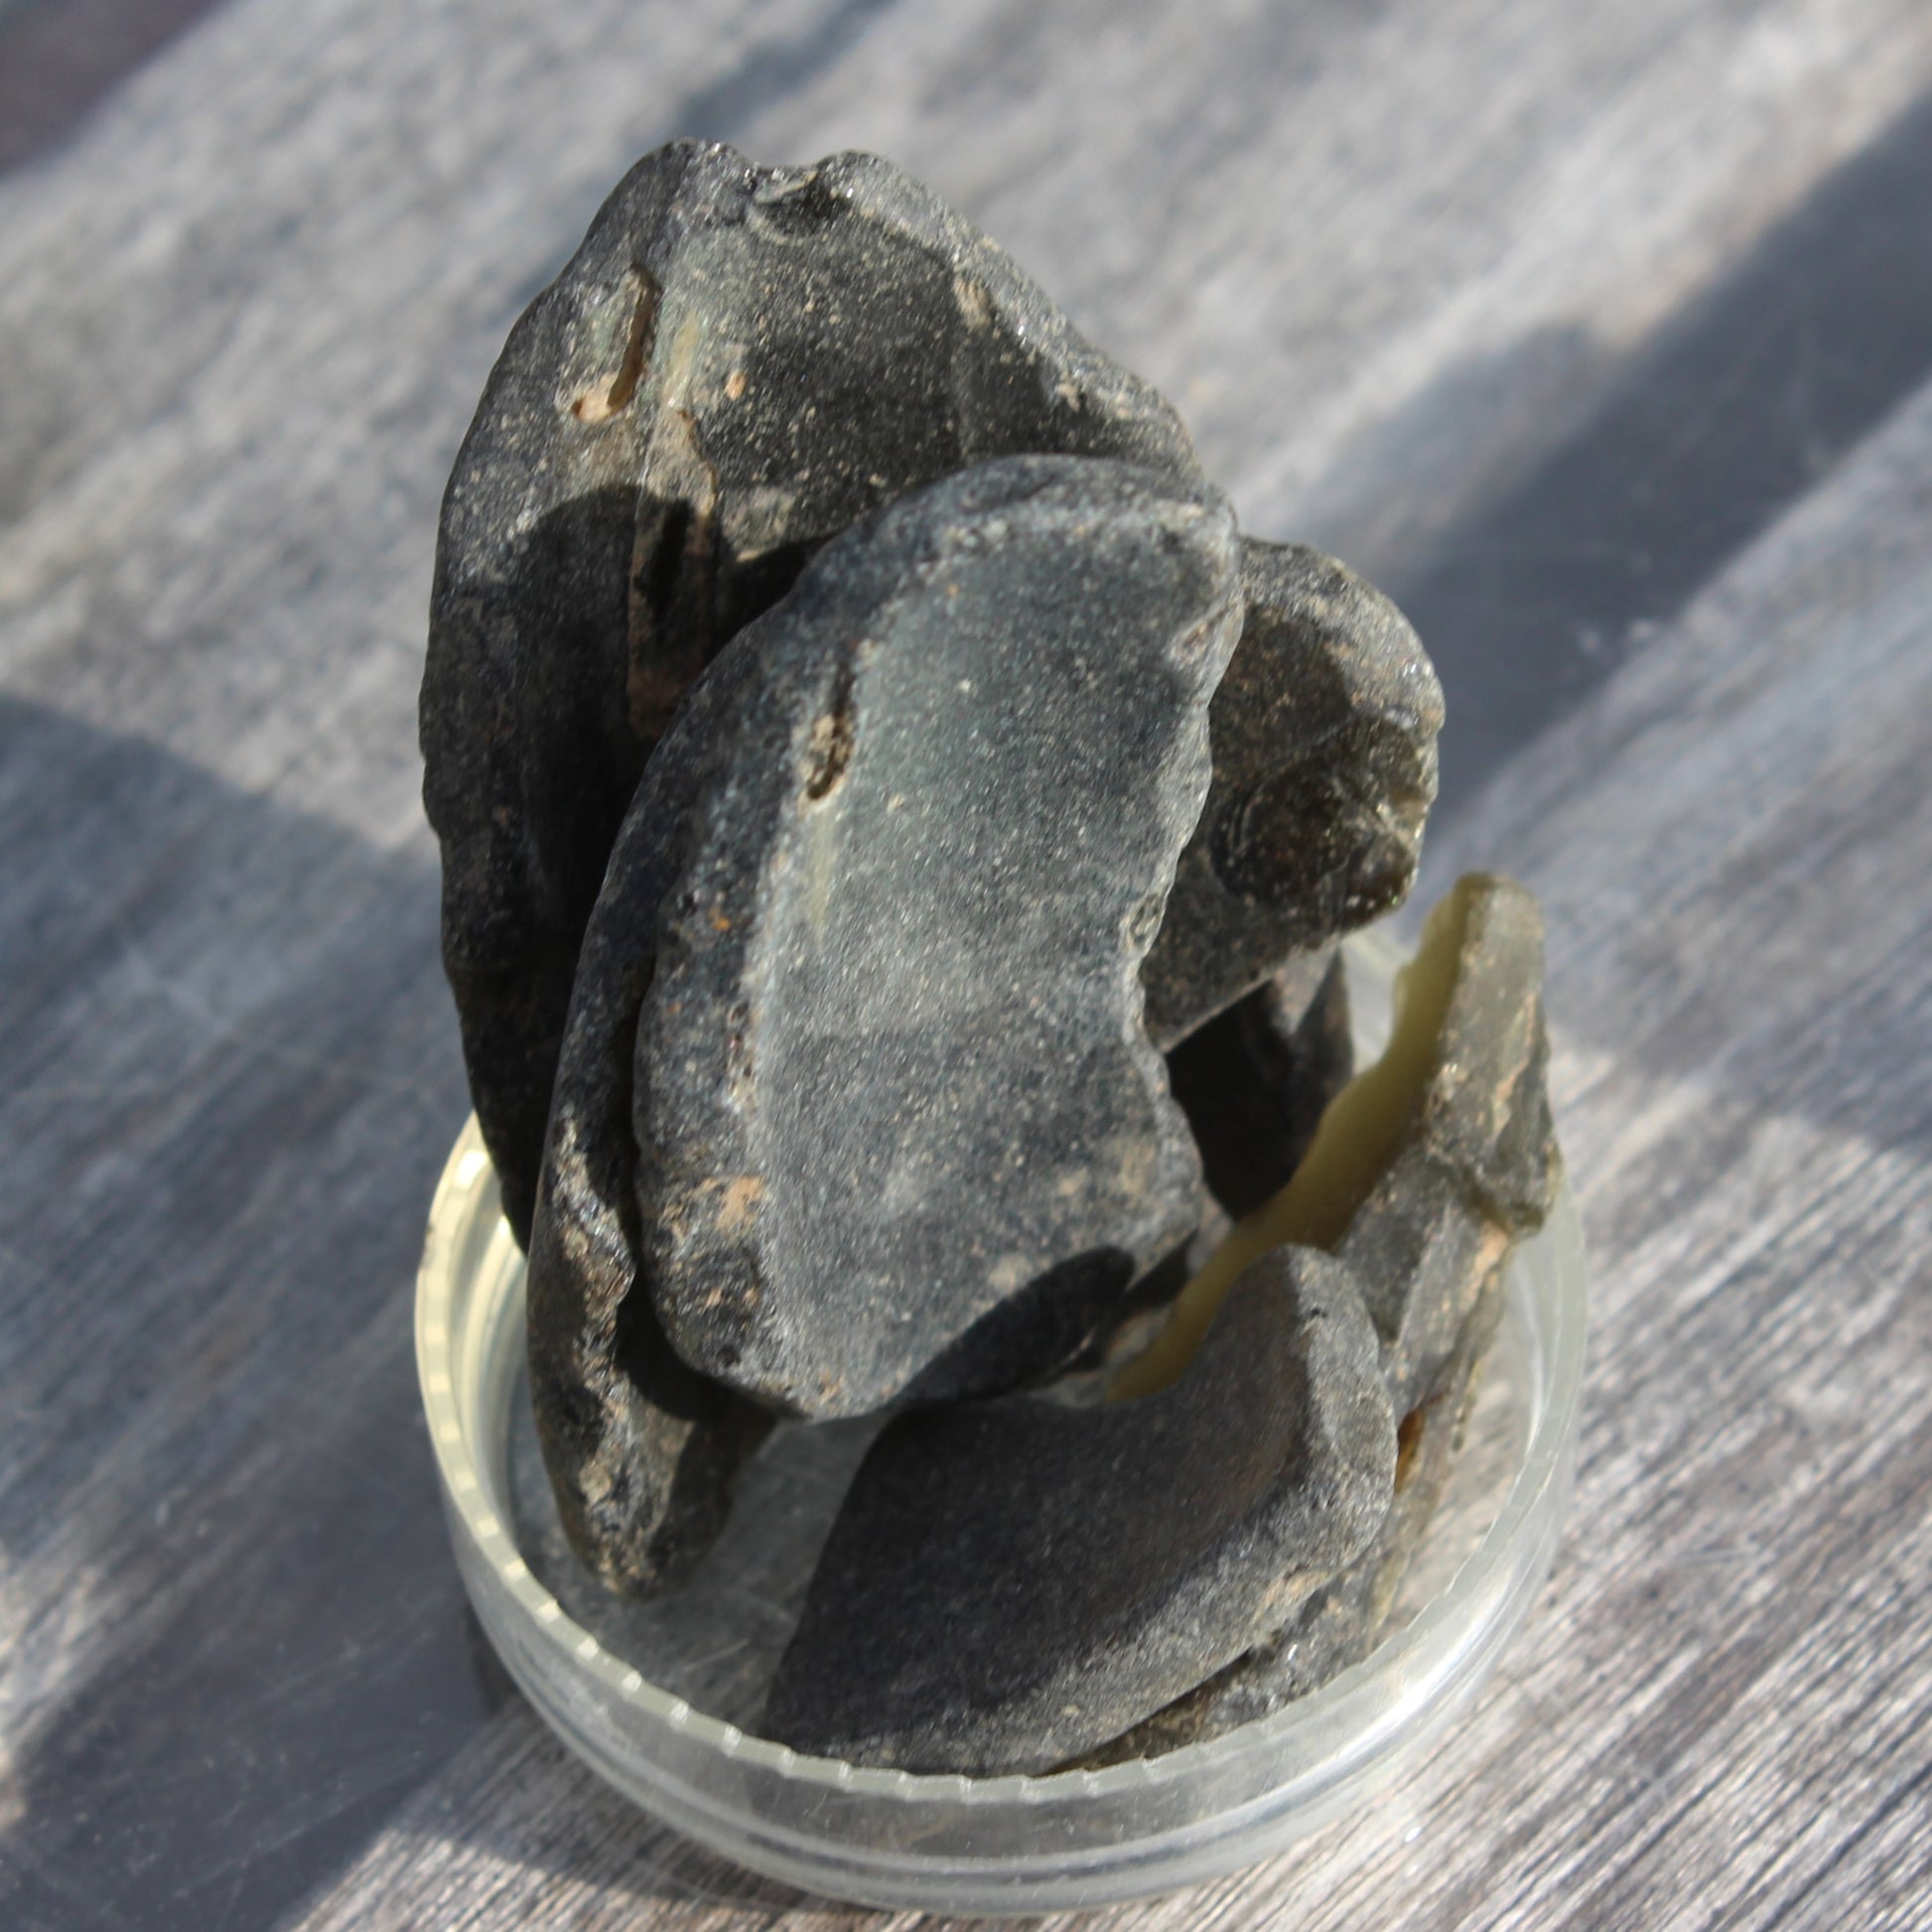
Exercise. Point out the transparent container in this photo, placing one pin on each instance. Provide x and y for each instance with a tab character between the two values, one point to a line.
656	1698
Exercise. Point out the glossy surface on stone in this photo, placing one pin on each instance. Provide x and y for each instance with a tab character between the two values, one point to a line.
1253	1081
1325	768
1476	1165
1456	1121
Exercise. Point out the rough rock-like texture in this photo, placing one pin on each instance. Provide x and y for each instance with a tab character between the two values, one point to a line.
1325	768
903	1134
641	1452
1477	1167
1342	1621
1011	1584
1254	1080
737	363
1429	1172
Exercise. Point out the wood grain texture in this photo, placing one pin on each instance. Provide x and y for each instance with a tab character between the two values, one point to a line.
1398	265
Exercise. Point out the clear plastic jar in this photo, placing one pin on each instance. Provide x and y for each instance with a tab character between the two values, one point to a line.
654	1697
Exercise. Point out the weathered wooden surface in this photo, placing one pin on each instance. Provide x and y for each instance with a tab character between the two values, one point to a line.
1600	335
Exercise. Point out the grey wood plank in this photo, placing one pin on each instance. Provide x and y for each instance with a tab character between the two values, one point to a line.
1388	261
57	62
